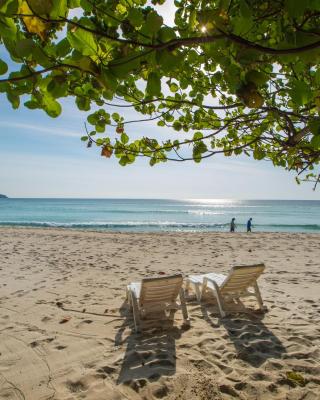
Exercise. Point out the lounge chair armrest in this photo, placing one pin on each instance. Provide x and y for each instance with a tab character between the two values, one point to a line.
135	309
216	293
206	280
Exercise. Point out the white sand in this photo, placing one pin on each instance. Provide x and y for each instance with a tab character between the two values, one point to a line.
95	355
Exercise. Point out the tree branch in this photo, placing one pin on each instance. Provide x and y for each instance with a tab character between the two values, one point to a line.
42	71
179	42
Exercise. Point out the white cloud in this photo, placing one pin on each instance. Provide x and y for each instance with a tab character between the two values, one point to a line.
41	129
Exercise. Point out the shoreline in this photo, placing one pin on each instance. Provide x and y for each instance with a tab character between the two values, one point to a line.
66	331
160	232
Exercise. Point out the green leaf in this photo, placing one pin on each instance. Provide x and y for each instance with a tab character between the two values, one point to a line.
83	41
314	126
73	3
241	25
197	136
197	158
135	17
14	100
295	8
177	126
59	9
123	161
121	67
41	7
31	104
315	142
83	103
245	10
8	28
317	76
152	161
300	93
206	18
3	67
51	106
86	5
174	87
169	118
258	154
63	47
108	80
199	148
84	138
85	63
257	77
115	117
93	118
12	7
58	87
168	61
121	8
193	22
100	127
166	34
25	47
154	84
314	5
153	22
124	138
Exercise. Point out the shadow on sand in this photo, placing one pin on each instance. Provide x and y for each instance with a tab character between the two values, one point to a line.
149	355
254	343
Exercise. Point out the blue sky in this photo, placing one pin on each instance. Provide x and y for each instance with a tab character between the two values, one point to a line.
44	157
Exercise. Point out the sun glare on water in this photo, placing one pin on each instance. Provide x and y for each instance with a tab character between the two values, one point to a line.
212	201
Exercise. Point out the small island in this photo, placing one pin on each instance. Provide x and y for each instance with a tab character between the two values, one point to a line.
2	196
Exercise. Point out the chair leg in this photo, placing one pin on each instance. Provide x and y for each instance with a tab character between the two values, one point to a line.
258	295
203	289
220	303
198	292
136	312
128	297
184	307
187	287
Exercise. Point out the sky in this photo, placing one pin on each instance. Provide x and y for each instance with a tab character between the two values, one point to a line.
44	157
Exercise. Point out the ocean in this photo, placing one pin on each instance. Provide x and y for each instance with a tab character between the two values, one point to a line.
146	215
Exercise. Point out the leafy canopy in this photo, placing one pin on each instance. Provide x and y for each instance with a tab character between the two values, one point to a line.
230	76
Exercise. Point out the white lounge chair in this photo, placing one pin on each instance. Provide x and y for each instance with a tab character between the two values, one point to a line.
156	295
237	284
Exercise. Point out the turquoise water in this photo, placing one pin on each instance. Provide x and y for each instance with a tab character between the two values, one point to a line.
143	215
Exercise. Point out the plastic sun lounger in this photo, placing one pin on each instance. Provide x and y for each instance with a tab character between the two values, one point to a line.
156	295
236	284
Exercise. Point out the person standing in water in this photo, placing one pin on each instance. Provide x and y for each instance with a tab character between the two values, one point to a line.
249	225
232	225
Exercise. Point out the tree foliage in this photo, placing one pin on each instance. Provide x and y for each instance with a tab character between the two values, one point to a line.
230	76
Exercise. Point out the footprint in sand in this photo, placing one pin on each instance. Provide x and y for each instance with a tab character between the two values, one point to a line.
76	387
61	347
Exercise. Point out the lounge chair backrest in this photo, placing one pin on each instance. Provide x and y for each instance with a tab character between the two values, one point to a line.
162	289
241	277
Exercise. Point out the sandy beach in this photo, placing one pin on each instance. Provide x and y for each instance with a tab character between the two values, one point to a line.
66	332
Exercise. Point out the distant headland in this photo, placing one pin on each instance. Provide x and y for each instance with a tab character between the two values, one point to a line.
3	196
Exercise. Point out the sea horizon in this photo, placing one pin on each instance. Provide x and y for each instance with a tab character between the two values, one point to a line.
155	198
161	215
